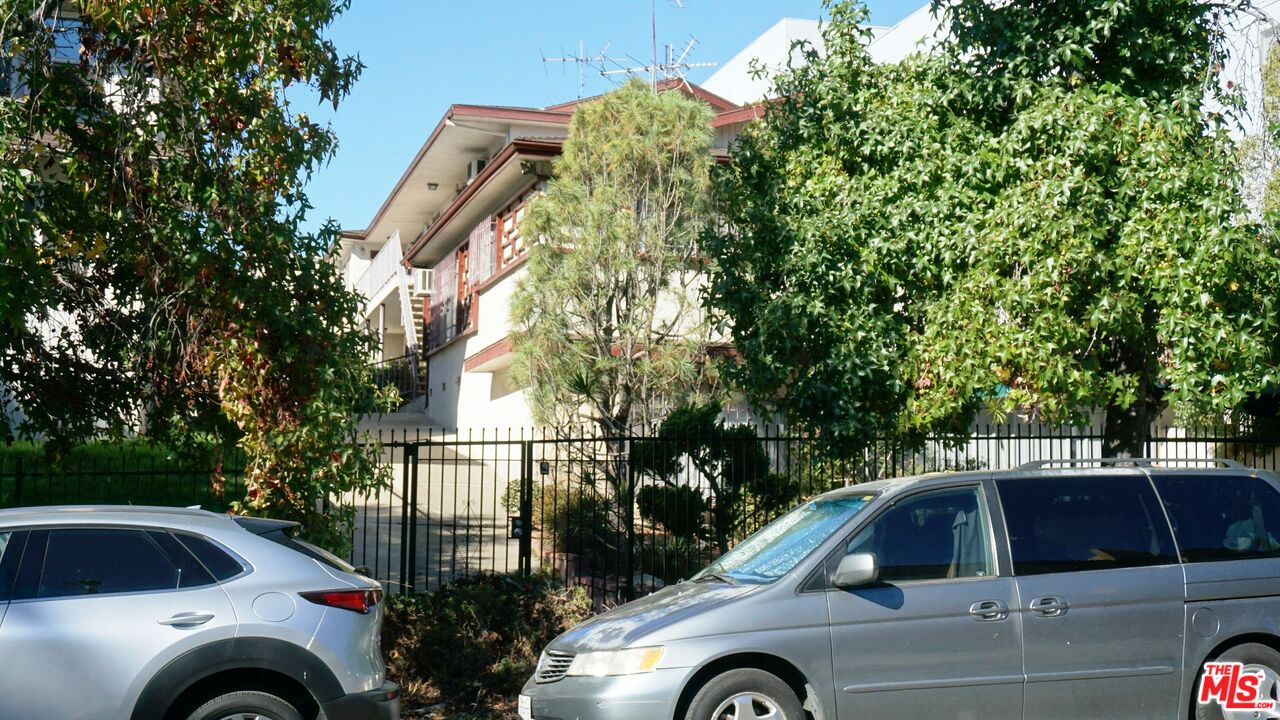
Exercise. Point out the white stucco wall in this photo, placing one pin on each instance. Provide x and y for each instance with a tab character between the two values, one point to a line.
771	50
733	80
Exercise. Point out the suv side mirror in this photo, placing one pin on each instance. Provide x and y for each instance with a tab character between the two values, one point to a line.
856	570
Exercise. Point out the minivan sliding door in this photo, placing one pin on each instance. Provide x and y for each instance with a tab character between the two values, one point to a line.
1101	596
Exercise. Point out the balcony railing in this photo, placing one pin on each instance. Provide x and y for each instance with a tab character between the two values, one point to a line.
447	321
385	268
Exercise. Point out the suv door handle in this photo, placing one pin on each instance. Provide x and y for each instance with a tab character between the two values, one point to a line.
989	610
187	619
1049	607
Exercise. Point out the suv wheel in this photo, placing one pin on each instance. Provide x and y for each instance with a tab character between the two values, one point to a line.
246	705
745	694
1255	658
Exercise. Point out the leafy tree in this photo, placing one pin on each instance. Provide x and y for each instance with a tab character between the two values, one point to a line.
607	323
154	271
1033	218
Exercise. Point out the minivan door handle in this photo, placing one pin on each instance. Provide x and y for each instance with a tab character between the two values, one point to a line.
1049	607
187	619
989	610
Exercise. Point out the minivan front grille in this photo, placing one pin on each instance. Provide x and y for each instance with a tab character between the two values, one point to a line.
552	666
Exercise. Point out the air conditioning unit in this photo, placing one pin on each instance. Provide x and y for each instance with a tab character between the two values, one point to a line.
420	280
474	167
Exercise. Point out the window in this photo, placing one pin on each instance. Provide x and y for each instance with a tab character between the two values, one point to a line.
936	535
99	561
1069	524
64	32
221	565
10	553
190	572
779	546
1221	518
509	241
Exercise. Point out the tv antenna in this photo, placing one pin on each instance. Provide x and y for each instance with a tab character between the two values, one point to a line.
670	65
597	62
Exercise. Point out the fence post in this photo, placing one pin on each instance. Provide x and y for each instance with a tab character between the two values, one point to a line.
526	508
629	580
411	458
405	567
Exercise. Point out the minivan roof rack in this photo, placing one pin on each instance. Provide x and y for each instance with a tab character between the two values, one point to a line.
1130	462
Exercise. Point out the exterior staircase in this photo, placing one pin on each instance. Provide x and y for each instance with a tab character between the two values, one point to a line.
419	286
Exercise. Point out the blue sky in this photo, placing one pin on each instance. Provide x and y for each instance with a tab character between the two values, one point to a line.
424	55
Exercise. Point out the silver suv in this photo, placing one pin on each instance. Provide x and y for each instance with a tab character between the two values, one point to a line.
1084	591
136	613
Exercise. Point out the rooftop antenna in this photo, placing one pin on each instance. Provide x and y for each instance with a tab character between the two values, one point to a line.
668	66
672	67
596	62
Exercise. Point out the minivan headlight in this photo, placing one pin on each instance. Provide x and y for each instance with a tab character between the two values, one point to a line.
631	661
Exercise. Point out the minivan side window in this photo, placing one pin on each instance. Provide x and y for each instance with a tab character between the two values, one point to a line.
94	561
1069	524
937	535
1227	517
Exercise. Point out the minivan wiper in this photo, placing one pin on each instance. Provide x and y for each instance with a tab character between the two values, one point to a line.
726	579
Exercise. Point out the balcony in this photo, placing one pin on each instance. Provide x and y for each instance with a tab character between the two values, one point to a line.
382	272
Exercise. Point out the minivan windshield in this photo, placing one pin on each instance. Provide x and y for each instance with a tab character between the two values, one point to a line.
782	544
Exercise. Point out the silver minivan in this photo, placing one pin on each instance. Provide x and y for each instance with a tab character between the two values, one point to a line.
1084	590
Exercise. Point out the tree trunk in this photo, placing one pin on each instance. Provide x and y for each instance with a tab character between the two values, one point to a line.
1127	430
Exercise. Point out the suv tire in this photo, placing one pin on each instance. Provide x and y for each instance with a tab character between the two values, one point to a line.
244	705
745	694
1259	656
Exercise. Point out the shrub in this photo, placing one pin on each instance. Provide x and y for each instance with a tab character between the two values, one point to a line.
679	508
472	644
671	559
578	520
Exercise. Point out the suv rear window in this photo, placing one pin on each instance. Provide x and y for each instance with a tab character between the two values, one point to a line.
1068	524
1223	517
219	564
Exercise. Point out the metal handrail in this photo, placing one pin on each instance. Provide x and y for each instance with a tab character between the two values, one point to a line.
1136	462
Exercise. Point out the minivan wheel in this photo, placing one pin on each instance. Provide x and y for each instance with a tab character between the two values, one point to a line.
246	705
1256	658
745	694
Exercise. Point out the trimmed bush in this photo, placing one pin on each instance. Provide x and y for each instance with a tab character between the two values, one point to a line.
679	508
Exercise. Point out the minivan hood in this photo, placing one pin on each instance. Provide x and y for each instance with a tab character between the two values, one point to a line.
623	625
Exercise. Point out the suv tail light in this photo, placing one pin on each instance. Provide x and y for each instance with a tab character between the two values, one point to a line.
355	600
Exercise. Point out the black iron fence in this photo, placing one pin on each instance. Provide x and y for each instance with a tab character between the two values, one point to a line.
621	516
402	373
624	516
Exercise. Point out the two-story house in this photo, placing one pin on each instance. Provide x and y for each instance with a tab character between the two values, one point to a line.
442	256
439	261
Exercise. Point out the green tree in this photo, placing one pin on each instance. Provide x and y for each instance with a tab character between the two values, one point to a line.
1031	218
607	323
154	271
